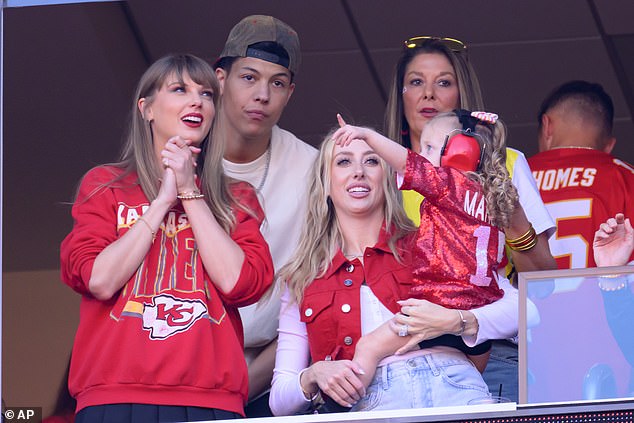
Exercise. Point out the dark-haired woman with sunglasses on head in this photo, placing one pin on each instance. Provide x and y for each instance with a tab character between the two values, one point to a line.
433	76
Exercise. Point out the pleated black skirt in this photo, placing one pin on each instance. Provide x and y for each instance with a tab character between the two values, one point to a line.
148	413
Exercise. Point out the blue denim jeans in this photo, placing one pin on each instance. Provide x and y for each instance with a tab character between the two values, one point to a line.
502	370
432	380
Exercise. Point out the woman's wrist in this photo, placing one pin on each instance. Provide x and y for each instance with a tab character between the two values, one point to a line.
466	324
612	282
525	242
309	388
190	195
160	205
520	234
188	191
463	323
188	188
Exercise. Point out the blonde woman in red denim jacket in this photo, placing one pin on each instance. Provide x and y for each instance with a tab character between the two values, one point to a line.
352	266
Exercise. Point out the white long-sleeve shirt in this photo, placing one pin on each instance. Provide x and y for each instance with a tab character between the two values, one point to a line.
498	320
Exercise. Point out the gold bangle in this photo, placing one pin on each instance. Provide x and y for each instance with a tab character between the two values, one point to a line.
140	219
522	238
525	242
191	195
525	247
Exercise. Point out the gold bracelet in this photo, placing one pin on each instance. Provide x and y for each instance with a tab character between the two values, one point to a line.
191	195
140	219
525	242
525	246
522	238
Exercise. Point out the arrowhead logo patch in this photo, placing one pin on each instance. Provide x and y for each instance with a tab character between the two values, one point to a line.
168	315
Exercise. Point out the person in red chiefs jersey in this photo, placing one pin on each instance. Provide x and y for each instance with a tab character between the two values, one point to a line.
469	197
164	249
581	183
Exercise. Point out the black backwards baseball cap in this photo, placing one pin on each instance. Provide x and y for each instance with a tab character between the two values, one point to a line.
245	36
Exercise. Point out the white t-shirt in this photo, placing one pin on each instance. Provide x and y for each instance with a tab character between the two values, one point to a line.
530	198
283	197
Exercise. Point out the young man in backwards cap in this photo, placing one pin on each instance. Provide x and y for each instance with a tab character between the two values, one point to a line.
256	71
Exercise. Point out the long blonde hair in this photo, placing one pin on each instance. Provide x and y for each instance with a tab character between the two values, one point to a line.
138	154
321	235
500	193
396	126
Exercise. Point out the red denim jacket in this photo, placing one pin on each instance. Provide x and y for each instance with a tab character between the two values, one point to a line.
331	304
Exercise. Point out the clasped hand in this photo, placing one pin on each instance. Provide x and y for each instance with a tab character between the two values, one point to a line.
338	379
179	162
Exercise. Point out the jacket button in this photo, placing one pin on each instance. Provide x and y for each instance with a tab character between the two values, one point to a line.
328	358
347	340
347	282
308	312
350	268
345	308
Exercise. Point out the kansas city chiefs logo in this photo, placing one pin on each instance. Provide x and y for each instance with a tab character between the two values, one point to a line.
168	315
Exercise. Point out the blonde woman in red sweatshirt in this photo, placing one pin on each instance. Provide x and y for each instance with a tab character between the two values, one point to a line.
163	250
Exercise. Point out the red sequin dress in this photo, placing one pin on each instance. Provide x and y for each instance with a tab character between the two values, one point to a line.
457	250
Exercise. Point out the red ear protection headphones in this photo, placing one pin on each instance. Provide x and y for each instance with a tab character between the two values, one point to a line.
463	149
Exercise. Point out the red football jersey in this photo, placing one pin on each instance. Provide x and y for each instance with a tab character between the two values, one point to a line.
581	188
457	249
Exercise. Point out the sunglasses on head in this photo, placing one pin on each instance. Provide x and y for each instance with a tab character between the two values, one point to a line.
452	44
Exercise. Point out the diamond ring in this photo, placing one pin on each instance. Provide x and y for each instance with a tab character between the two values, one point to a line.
403	330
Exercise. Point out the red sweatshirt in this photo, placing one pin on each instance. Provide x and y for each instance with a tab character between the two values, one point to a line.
168	336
